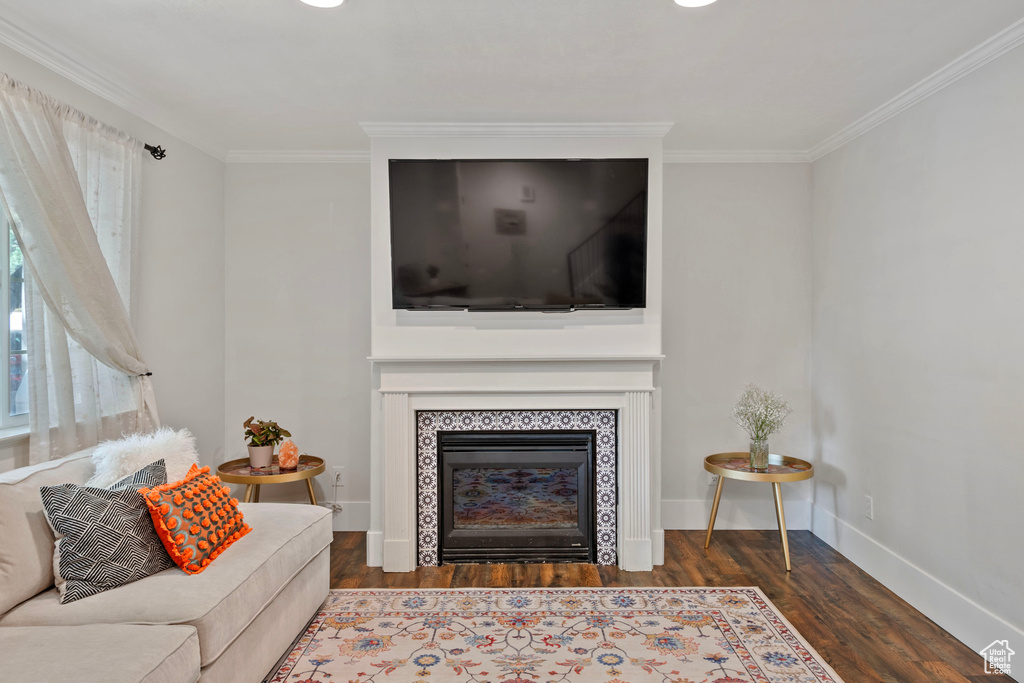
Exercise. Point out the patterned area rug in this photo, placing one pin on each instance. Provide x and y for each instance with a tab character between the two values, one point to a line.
613	635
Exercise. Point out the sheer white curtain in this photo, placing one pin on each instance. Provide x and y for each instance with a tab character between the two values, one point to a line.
70	185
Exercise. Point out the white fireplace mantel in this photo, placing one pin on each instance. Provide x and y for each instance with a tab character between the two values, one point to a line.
624	384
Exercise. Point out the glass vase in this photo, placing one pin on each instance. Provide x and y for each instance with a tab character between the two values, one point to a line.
759	454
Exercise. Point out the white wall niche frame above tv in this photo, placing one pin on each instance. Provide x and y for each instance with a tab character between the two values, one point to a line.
473	334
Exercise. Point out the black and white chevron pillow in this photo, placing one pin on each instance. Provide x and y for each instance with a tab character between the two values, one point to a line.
105	537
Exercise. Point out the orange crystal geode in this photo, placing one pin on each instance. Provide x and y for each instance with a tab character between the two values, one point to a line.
288	457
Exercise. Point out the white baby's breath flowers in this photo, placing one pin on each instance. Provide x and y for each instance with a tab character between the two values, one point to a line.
760	412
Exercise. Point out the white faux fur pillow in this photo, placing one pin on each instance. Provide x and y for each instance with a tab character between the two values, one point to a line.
115	460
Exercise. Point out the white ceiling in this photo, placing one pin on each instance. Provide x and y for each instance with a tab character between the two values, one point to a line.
279	75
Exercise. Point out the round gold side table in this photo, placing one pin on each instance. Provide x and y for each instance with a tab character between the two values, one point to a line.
239	472
737	466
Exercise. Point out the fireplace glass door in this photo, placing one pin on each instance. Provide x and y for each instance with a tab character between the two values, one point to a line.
516	496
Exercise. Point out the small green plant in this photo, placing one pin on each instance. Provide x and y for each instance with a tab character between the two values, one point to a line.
261	433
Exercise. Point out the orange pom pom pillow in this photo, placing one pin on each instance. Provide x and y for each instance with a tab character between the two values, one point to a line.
196	518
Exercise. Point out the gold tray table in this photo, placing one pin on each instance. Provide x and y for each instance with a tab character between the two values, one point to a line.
240	472
737	466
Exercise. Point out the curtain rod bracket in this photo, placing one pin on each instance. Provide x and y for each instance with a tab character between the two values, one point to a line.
158	152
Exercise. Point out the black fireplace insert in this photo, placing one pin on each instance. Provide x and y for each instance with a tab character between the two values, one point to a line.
516	496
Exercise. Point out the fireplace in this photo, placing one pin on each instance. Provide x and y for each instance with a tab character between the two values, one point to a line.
517	496
611	397
562	442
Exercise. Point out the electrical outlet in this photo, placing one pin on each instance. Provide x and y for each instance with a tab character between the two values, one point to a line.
712	479
339	476
869	507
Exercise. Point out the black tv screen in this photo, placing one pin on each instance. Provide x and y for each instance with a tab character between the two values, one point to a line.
557	234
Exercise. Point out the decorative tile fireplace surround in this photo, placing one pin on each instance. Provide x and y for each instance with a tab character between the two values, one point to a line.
437	361
429	423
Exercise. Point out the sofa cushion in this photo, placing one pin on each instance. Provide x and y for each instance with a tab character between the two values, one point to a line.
221	601
26	540
108	653
105	537
196	518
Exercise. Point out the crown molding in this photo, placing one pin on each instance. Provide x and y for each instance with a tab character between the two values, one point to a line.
711	156
285	156
72	69
974	59
328	156
534	130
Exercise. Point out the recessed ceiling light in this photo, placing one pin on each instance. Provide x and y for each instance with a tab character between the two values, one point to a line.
334	3
690	3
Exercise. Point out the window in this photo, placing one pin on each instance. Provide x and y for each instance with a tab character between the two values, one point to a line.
14	401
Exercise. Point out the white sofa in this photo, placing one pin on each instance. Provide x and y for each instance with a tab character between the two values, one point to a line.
232	622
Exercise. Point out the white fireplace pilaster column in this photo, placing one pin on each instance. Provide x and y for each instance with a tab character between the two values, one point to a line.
635	550
399	484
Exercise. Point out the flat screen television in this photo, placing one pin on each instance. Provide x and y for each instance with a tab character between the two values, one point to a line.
518	234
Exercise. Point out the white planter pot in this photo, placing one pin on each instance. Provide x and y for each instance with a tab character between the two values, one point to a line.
261	456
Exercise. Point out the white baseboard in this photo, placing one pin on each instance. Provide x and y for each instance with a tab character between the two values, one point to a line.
734	514
965	619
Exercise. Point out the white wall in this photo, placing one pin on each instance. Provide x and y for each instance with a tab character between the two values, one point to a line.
297	318
178	304
918	374
737	309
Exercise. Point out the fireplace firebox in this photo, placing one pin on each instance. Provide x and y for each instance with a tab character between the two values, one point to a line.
517	496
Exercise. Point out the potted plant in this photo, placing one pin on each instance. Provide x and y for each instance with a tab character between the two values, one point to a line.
761	413
262	436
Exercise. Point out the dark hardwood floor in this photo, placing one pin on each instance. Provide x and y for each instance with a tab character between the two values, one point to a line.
862	629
